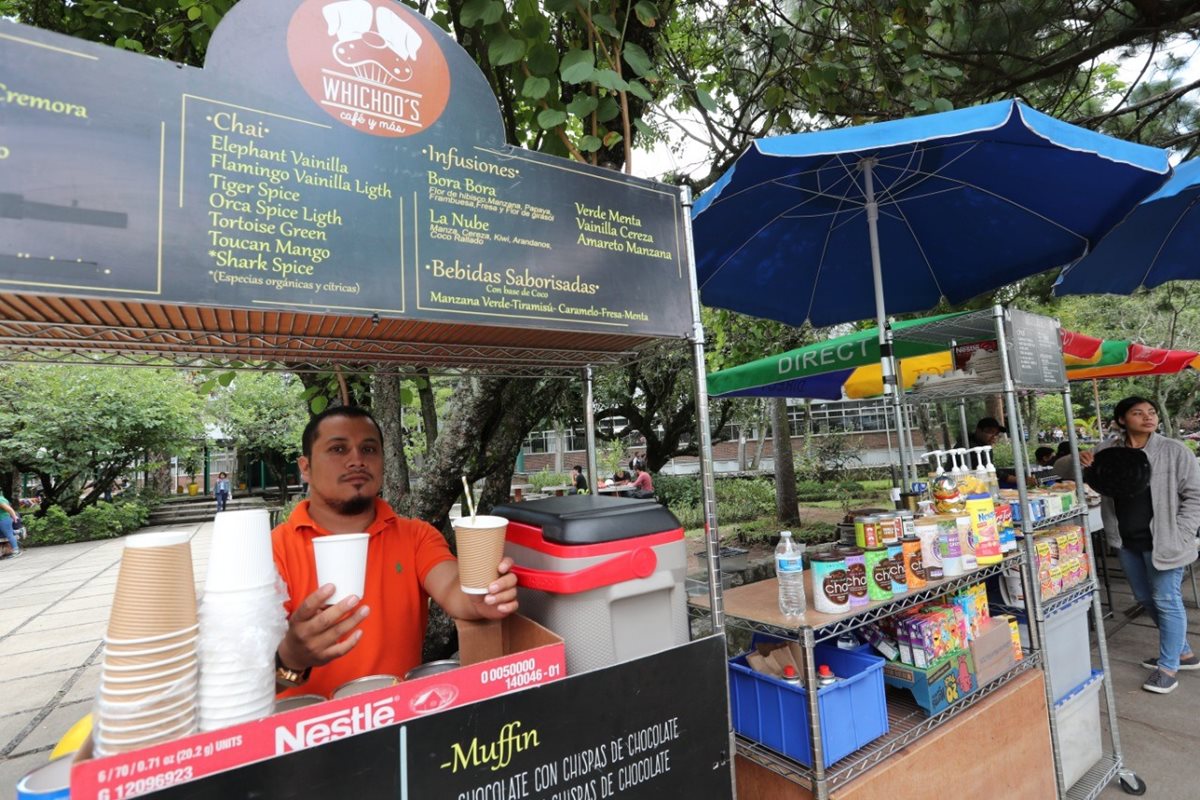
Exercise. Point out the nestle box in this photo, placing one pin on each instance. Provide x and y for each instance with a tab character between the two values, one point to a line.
936	687
992	651
497	657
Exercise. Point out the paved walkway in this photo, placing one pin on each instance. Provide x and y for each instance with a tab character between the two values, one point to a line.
54	604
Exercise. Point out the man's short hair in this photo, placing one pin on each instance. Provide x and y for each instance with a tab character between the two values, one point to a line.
310	430
578	468
1042	452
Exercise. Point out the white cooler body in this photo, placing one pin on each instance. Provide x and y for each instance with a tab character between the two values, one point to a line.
609	601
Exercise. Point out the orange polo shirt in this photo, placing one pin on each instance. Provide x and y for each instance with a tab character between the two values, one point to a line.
400	554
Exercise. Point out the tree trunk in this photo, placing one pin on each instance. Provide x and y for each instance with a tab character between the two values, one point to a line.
786	505
385	405
485	425
994	407
944	426
1168	425
160	476
429	418
761	444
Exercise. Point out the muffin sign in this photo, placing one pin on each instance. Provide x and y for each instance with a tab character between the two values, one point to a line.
369	64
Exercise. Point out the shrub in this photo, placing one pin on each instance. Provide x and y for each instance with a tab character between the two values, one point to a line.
544	477
101	521
678	490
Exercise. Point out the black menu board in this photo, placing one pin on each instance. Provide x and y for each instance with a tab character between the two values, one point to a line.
343	157
1035	350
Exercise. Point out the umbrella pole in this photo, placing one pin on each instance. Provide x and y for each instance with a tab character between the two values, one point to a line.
886	362
1096	399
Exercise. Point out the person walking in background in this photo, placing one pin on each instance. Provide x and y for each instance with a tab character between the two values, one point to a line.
7	515
1155	529
636	462
223	490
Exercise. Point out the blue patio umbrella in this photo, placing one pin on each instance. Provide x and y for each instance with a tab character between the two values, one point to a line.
1158	242
821	227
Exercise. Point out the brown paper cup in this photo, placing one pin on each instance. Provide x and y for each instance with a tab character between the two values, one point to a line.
480	549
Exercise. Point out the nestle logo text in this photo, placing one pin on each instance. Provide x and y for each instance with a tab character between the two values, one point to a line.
338	725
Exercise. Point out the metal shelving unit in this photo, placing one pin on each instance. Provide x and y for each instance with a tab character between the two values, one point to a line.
907	722
1001	326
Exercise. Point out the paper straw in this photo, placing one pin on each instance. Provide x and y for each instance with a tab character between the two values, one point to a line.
470	500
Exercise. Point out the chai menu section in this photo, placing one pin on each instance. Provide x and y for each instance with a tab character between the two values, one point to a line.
238	186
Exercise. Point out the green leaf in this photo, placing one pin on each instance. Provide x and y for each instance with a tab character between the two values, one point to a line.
705	99
542	59
942	104
318	404
638	89
193	13
637	59
643	128
773	96
226	378
551	118
407	397
611	80
582	104
472	12
559	6
210	16
612	138
535	87
504	49
577	66
647	13
608	110
492	12
607	24
589	143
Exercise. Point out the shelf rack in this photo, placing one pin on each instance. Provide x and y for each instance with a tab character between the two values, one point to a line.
1002	326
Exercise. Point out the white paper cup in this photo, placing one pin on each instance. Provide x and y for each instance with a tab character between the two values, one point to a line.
222	706
157	539
240	556
480	549
342	560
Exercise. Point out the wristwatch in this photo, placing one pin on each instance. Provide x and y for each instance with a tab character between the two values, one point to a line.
286	676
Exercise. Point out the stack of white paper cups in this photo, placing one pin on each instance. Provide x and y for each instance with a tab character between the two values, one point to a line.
242	621
148	675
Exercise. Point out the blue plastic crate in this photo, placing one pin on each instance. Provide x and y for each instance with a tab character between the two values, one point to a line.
775	713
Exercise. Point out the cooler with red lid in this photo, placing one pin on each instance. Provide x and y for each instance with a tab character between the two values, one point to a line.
604	573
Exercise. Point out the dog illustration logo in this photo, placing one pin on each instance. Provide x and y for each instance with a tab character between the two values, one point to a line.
370	64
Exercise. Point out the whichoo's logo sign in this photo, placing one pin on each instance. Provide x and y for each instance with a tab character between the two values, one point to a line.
370	64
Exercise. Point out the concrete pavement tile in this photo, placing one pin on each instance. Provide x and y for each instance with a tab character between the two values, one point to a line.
27	642
85	685
63	619
12	617
80	604
33	599
13	724
1163	758
49	660
52	728
14	768
32	692
1174	712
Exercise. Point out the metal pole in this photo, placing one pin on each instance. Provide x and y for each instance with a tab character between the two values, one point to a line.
712	535
962	402
589	427
1096	399
886	362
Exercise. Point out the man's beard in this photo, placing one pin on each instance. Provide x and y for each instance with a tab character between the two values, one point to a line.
352	507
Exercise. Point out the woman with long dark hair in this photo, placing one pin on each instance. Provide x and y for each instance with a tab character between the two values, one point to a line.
1154	523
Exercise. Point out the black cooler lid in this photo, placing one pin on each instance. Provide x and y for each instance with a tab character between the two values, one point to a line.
590	519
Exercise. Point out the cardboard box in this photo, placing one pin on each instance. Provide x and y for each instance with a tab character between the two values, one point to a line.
992	651
937	687
498	657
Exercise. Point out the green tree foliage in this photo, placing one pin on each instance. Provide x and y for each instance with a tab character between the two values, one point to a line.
746	70
264	413
80	428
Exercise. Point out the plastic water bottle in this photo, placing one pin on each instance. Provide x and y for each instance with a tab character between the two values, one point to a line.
789	568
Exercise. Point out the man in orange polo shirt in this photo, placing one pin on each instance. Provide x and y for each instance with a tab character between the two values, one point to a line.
408	562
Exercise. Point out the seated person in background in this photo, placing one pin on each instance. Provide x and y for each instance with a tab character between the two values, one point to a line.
642	485
1064	465
579	484
621	475
1044	457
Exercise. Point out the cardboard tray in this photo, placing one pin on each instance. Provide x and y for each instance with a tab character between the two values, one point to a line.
498	657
